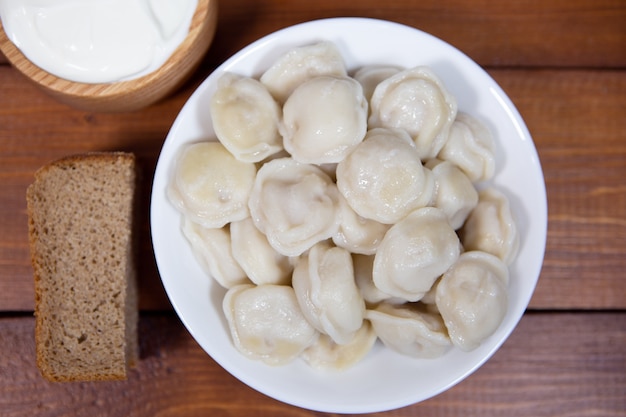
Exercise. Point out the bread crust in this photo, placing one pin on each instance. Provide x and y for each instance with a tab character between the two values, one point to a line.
71	342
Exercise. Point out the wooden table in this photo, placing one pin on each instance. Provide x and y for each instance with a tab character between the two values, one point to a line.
563	63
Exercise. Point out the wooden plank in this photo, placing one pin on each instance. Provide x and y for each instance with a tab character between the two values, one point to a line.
579	33
553	364
578	124
575	117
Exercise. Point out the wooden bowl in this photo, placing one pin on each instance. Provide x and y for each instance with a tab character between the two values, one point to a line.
123	96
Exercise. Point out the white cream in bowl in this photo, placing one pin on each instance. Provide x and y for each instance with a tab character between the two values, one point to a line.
97	41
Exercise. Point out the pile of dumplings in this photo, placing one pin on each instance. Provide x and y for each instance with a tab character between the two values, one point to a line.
341	209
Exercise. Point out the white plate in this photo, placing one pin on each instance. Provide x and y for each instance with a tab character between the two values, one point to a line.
384	380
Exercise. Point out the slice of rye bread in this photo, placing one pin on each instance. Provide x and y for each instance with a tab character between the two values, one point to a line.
81	216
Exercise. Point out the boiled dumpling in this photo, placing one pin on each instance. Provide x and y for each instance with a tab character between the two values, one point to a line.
356	233
266	323
295	205
417	101
261	262
414	253
324	119
371	75
472	298
363	266
301	64
212	249
245	118
327	355
323	281
410	330
383	179
211	186
490	227
471	147
454	192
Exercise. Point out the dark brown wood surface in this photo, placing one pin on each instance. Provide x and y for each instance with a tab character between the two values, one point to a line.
563	64
565	364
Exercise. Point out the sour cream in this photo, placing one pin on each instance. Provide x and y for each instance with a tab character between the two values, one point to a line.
97	41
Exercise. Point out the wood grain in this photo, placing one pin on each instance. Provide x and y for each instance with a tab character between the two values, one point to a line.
577	121
579	33
538	372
